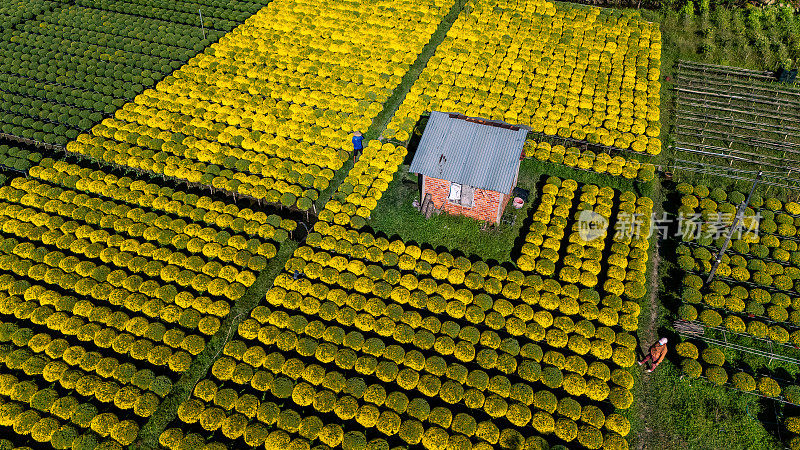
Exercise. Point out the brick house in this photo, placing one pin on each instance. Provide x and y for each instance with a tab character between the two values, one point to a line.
468	166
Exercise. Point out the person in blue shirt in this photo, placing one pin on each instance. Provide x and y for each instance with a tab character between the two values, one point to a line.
358	147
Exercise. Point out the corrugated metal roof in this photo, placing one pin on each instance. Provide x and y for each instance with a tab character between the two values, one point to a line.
463	150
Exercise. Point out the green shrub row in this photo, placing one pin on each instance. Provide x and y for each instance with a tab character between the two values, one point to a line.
14	12
18	158
224	16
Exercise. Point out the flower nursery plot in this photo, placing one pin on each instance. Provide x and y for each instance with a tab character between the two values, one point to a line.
753	298
108	288
67	394
268	110
112	284
708	361
380	341
217	15
396	358
580	72
584	265
17	11
64	70
167	201
755	289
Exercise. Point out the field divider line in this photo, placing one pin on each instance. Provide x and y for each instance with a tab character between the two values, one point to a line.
168	409
394	101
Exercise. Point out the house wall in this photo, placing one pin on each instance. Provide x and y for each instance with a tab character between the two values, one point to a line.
503	204
486	205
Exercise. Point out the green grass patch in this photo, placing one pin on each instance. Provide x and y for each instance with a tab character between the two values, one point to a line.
396	216
637	415
752	38
698	415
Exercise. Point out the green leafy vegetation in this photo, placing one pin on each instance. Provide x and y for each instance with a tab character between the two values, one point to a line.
699	415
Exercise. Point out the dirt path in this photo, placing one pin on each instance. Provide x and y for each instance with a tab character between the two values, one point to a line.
649	331
647	334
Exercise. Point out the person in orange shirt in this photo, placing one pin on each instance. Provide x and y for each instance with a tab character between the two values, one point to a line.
657	353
